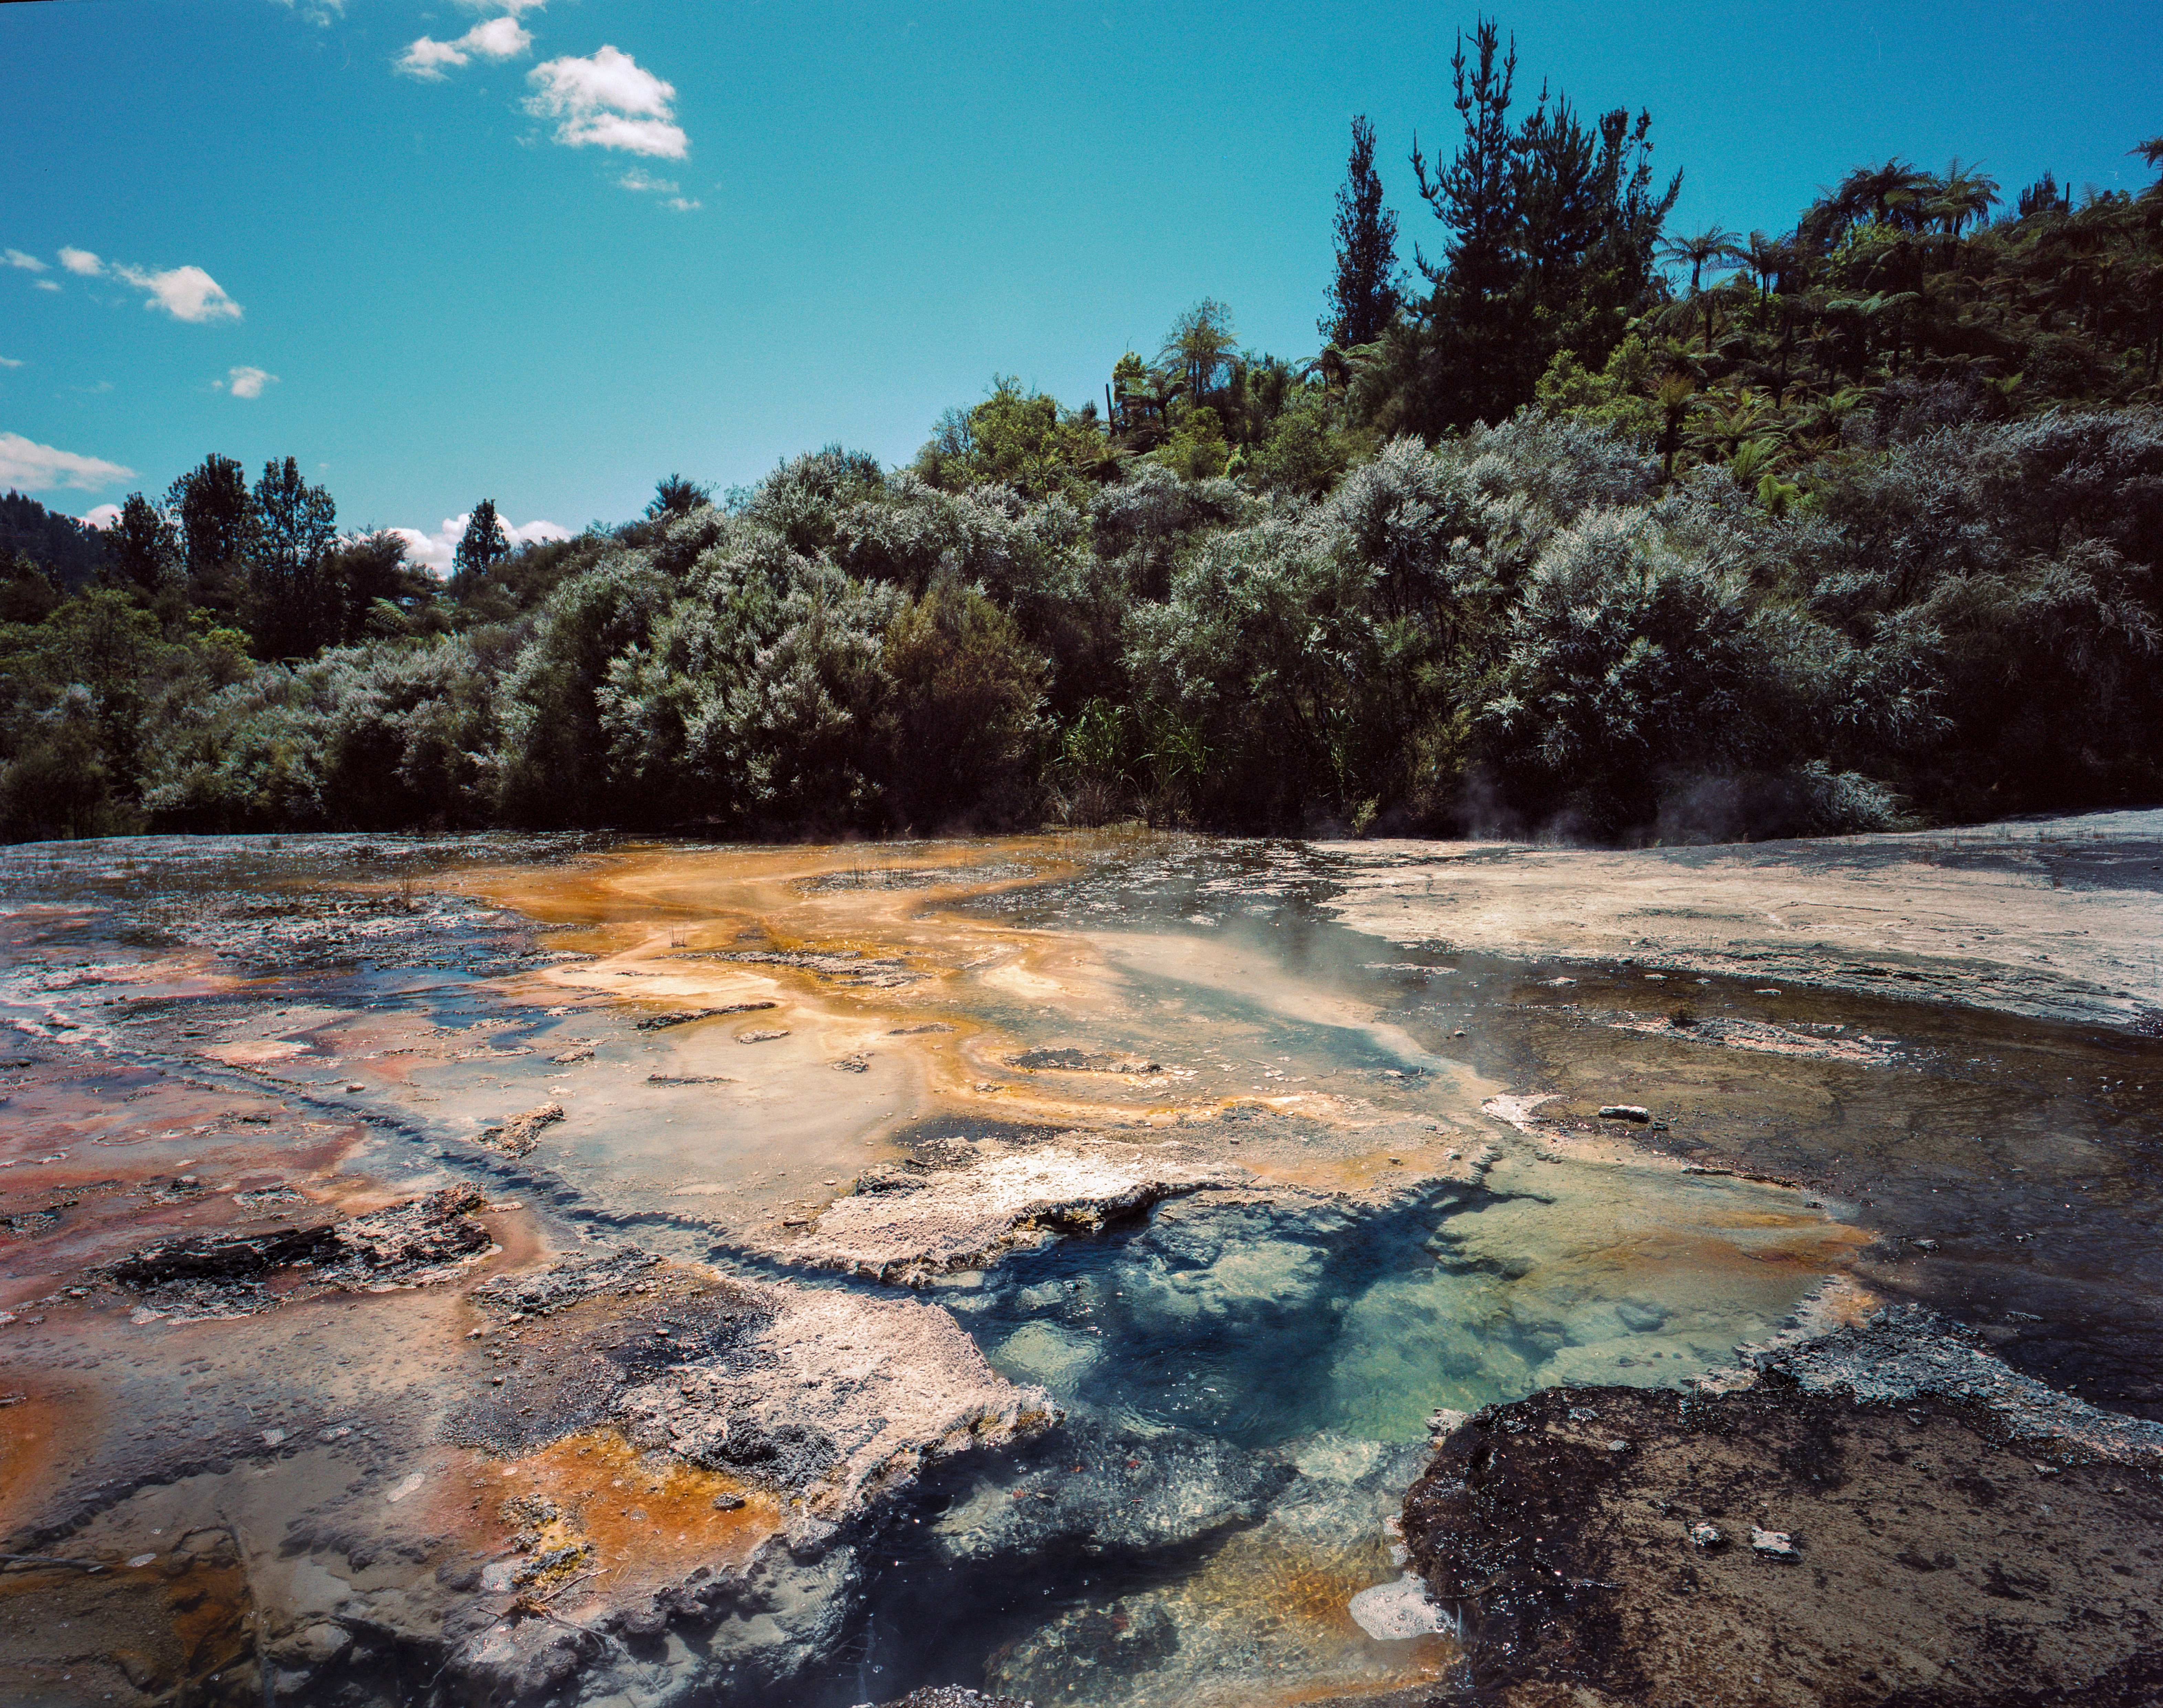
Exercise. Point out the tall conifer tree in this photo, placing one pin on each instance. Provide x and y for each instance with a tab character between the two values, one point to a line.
1363	298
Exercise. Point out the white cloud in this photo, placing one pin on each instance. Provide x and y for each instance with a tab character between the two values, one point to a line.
30	467
81	262
10	361
637	179
102	517
30	263
498	39
509	8
47	284
435	552
426	58
247	382
608	100
185	293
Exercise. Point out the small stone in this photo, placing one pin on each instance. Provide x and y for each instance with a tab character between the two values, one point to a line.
1704	1535
356	1086
1925	1244
727	1503
1618	1446
1774	1544
1394	1612
1625	1111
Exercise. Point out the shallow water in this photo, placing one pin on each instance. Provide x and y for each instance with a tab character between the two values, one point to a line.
396	998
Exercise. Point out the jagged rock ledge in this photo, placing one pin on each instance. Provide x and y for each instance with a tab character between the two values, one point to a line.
908	1224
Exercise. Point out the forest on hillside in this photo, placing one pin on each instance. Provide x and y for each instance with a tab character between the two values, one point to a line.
1575	526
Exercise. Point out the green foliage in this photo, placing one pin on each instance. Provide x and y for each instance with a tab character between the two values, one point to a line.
1550	234
1199	347
1364	297
89	697
1197	450
964	723
1307	452
143	549
481	547
64	553
370	737
26	596
1618	396
1020	439
293	602
214	514
1866	527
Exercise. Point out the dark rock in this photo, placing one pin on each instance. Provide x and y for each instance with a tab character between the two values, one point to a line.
522	1132
1598	1577
406	1244
1083	1062
223	1256
684	1016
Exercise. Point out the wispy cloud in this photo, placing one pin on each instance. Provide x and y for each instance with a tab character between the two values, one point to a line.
608	100
10	361
668	188
437	550
30	467
245	382
318	12
498	39
185	293
509	8
101	517
81	263
47	284
29	263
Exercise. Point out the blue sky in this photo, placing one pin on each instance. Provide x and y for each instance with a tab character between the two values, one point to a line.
557	251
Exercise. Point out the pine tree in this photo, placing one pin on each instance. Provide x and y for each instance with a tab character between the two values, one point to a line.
481	547
1363	299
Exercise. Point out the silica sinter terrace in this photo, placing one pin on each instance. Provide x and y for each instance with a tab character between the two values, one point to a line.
545	1269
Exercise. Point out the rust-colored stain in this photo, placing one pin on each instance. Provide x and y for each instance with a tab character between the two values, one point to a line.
30	1430
644	1521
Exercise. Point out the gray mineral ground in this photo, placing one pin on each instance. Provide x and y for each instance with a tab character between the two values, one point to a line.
1226	1272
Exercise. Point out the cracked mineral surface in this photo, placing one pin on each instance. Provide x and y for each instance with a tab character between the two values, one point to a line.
412	1291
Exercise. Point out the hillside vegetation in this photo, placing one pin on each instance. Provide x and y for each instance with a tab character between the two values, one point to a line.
1853	525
